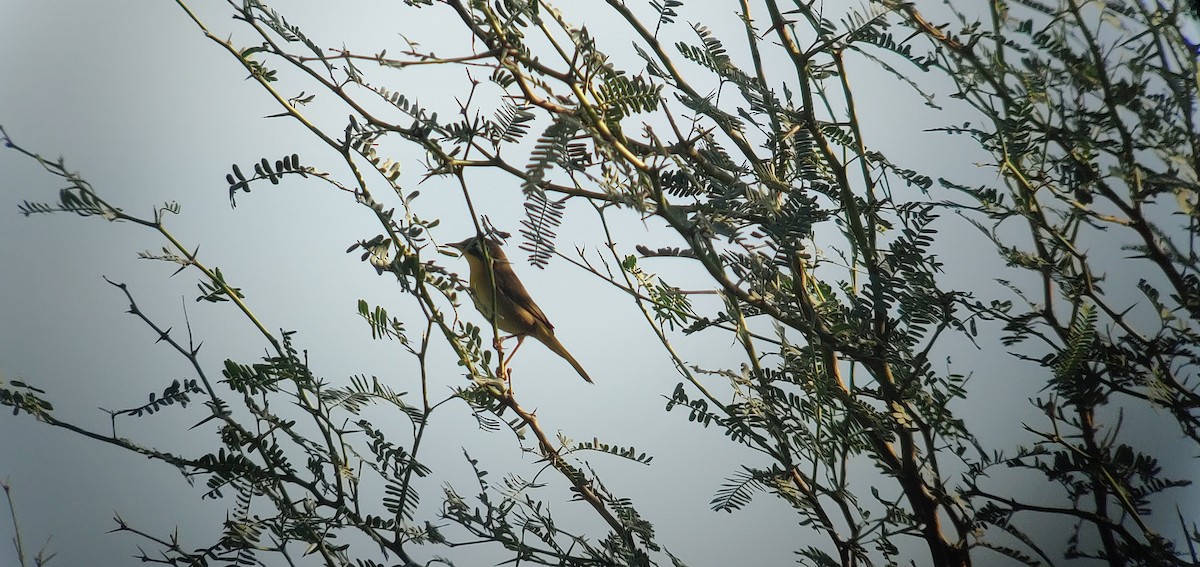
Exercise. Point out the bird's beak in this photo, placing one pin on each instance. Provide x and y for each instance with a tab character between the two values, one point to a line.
460	246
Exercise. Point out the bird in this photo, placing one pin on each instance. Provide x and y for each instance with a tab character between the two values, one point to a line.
499	295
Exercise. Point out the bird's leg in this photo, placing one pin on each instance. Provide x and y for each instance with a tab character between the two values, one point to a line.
498	344
504	368
520	339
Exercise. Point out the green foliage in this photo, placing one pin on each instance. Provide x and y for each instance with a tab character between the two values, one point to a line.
544	215
823	257
738	490
624	452
1077	123
511	124
627	96
262	170
382	326
176	393
23	398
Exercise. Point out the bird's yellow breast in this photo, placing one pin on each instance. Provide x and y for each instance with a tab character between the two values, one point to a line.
483	291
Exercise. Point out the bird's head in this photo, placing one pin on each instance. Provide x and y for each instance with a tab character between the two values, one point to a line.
472	248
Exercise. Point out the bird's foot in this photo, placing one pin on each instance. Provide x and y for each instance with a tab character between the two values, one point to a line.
505	373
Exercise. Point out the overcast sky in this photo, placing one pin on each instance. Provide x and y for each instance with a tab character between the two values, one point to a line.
148	111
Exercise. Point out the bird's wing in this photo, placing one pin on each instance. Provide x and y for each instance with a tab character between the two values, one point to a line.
515	290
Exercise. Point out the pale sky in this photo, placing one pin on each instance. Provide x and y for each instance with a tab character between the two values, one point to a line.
148	111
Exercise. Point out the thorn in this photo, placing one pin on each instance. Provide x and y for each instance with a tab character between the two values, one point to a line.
203	421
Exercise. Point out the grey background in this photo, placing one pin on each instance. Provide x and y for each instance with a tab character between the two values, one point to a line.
148	110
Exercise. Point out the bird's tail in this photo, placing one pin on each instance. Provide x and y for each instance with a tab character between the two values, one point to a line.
553	344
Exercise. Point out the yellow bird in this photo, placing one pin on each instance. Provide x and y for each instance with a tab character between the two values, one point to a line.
501	297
